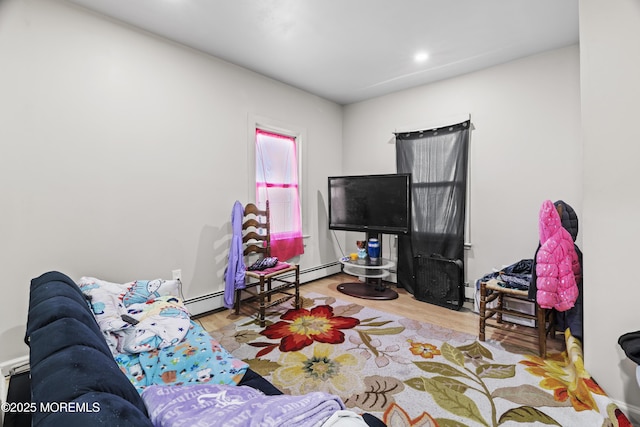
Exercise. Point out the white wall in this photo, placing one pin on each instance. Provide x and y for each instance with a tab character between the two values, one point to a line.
610	66
121	155
525	147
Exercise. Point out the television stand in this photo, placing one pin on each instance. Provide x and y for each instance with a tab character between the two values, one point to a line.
373	271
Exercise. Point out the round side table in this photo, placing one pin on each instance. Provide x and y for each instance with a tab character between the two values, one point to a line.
373	270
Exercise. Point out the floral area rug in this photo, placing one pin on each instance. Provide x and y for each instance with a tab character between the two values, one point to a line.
409	373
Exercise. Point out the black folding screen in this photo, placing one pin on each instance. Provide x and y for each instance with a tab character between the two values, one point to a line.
437	161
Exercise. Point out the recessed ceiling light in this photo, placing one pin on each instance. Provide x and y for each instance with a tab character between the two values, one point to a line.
421	56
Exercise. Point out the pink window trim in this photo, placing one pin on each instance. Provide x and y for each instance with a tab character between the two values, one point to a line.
270	185
275	135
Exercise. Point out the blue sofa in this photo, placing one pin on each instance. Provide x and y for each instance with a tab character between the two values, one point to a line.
74	379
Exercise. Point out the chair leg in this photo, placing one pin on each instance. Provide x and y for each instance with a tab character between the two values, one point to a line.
551	330
542	331
297	286
262	307
236	304
483	307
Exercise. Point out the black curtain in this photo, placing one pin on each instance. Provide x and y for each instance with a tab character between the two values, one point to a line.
437	160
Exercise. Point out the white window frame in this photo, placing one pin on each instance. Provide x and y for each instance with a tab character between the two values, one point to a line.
256	122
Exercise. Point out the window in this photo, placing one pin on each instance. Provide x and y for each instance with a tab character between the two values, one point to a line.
277	181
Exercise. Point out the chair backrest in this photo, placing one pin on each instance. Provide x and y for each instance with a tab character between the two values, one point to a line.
256	231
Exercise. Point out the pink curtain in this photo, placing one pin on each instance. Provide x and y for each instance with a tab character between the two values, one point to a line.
277	181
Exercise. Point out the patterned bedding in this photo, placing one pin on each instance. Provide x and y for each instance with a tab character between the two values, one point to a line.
152	338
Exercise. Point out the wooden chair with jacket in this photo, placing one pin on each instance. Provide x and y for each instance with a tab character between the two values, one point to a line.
269	282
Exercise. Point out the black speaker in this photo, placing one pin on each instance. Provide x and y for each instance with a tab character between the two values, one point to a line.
438	280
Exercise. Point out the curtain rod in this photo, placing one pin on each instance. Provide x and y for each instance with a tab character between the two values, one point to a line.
433	132
448	122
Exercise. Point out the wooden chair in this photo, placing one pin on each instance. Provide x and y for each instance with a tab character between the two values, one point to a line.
281	281
491	291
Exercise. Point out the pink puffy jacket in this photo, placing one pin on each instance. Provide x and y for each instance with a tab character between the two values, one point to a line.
557	262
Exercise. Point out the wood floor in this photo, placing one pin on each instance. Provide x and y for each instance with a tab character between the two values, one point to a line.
464	320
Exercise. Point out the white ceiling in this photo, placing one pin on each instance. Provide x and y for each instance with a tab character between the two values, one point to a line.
351	50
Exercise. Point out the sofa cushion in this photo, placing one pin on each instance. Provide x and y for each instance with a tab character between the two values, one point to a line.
61	334
75	373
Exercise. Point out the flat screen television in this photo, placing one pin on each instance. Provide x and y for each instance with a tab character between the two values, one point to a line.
371	203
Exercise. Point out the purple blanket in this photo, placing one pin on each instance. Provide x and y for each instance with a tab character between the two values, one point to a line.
215	405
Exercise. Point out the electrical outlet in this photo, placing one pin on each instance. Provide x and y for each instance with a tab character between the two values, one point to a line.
177	274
